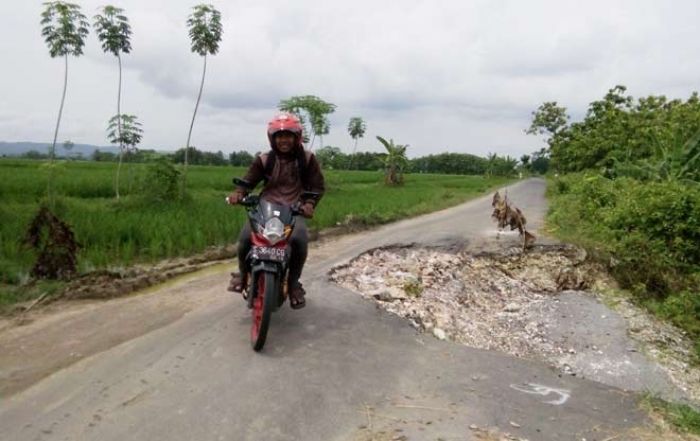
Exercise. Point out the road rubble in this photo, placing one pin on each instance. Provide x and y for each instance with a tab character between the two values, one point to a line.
543	304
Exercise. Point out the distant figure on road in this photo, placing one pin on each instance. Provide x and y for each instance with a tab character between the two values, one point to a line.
286	170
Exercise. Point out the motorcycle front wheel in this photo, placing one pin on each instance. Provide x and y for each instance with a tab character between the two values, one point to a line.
263	305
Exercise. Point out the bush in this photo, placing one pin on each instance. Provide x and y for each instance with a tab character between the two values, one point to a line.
651	229
55	244
683	310
656	232
160	183
648	233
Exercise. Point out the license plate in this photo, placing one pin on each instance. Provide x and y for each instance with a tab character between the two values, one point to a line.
268	253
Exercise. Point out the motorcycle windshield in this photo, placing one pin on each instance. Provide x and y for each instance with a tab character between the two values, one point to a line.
268	210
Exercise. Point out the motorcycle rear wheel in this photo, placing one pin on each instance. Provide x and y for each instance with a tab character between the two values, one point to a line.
263	305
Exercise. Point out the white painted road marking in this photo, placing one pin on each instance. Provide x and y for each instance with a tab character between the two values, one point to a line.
538	389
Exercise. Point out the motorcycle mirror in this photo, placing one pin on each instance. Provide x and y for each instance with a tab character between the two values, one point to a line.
242	183
310	195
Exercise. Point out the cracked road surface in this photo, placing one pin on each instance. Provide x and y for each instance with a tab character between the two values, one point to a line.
339	369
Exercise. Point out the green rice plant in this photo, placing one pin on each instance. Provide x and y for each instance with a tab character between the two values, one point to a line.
138	229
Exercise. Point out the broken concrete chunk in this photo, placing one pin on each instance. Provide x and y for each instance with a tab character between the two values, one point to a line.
512	307
439	334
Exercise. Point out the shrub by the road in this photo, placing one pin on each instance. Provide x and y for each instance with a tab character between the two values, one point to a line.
647	232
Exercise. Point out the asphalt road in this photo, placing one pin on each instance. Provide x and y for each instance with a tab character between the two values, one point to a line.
340	369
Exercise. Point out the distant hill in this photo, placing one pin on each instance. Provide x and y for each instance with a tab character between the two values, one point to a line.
20	148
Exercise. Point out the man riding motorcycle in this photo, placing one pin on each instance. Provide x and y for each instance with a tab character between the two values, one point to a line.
287	170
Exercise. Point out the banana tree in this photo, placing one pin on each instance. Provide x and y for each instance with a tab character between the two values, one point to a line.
395	161
678	159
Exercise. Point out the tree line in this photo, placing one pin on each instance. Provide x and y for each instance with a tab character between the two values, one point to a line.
651	137
330	157
442	163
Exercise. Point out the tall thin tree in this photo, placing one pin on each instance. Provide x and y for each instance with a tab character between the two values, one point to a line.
128	137
356	129
114	31
205	33
64	30
126	131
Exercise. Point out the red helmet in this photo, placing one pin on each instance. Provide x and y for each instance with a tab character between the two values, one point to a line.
284	122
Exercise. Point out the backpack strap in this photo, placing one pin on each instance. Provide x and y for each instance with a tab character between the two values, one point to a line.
302	162
269	159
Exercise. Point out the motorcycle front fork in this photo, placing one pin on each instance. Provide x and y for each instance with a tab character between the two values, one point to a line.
249	284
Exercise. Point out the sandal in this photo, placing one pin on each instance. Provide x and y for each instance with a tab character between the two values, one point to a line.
236	285
296	297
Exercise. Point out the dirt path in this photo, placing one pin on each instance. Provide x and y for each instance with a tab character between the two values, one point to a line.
49	339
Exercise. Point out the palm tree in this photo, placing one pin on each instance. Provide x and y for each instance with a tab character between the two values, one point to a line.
321	127
491	159
113	31
205	34
394	162
126	131
356	129
64	30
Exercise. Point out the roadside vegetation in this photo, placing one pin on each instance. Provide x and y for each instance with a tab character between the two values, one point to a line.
150	222
629	191
681	417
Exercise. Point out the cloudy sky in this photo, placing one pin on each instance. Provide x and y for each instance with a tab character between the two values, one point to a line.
441	75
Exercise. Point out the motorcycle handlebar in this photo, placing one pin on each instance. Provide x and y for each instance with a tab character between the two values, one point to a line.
252	200
296	209
247	201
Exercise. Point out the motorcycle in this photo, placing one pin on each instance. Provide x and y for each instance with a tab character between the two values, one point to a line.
265	282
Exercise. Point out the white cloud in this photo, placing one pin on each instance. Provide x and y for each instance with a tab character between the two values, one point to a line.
449	75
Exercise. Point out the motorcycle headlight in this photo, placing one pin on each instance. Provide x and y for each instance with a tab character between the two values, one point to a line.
273	231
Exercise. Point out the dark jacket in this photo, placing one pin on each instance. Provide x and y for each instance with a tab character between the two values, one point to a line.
285	183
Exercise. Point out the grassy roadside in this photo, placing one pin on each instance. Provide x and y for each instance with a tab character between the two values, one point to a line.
646	234
681	418
117	234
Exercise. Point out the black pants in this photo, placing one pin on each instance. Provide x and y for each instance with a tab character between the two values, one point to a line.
299	243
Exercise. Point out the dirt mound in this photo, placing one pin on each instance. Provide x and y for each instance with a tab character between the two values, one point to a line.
478	300
105	284
537	304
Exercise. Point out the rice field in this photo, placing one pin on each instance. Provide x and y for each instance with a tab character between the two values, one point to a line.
117	233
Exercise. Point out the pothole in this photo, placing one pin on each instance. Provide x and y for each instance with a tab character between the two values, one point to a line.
537	305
